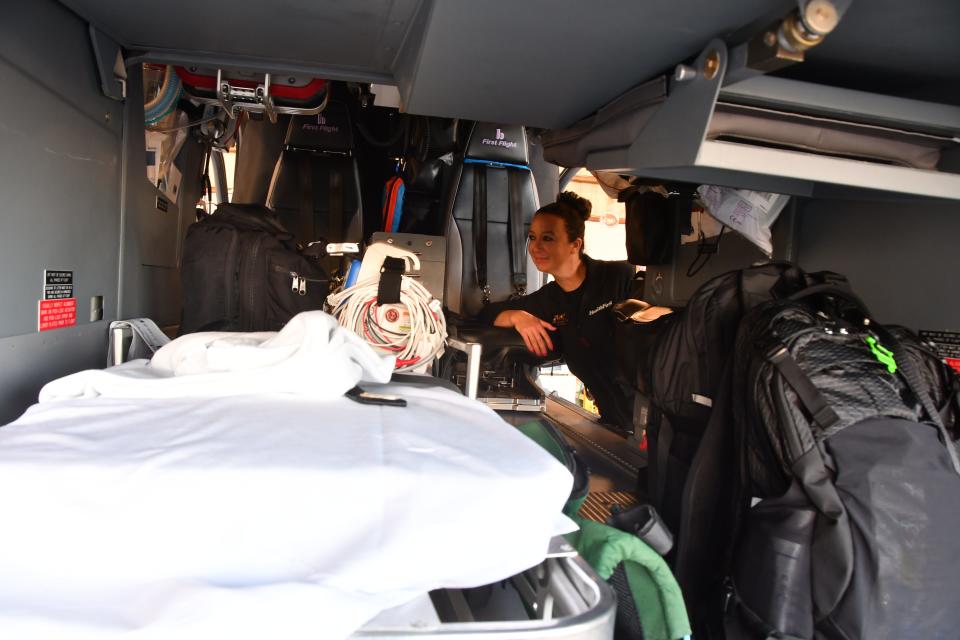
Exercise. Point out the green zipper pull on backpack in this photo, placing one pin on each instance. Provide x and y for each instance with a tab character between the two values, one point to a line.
882	354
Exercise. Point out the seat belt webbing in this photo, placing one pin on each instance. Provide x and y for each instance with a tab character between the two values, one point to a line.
335	226
518	265
305	226
480	230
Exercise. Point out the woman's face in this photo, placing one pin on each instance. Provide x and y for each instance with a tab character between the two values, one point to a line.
549	245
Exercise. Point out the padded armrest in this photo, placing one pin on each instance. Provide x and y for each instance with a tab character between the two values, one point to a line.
481	342
489	336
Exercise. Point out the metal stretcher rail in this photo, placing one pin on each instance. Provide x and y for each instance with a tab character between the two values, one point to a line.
562	598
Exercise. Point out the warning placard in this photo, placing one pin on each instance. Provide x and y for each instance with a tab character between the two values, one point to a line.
57	285
56	314
947	344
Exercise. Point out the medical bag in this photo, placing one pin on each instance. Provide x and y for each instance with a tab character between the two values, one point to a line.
682	372
242	271
849	477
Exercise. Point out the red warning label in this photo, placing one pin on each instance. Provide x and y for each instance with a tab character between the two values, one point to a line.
56	314
946	344
953	362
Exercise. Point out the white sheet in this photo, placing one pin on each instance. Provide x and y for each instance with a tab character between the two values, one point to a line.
312	356
267	516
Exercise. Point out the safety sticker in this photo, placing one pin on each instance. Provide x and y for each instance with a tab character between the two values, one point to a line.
57	285
953	363
947	345
394	318
56	314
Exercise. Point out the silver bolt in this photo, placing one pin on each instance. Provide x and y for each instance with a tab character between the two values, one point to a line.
429	243
820	16
683	73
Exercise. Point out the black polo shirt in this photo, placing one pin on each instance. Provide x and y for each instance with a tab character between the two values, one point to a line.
585	330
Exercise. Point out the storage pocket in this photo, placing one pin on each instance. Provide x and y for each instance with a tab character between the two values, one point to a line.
209	279
771	572
293	285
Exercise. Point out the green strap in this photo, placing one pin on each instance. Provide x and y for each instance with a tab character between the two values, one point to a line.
656	594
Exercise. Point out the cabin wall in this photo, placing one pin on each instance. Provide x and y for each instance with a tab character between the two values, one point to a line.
153	226
60	162
901	256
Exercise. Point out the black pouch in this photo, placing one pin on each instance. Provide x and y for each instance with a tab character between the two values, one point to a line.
771	574
653	223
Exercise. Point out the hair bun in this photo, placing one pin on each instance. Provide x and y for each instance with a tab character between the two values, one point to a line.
578	204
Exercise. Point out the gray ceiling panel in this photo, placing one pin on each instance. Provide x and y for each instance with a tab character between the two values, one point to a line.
907	49
365	34
548	63
537	62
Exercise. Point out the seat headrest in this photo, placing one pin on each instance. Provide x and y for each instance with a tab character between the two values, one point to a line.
498	143
327	132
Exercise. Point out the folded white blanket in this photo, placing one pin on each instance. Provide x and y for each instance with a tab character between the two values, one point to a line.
311	356
260	516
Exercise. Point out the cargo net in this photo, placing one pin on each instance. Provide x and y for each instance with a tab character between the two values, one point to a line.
414	329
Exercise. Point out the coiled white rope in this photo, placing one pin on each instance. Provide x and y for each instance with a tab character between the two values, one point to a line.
414	330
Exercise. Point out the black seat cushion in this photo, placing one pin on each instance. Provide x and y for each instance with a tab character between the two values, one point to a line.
498	155
314	187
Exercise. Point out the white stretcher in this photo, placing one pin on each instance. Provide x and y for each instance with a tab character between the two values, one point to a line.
280	514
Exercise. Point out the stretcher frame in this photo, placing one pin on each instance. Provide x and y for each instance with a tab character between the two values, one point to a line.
564	597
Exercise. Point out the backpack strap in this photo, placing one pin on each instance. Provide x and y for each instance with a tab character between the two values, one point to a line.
832	544
832	289
707	510
814	402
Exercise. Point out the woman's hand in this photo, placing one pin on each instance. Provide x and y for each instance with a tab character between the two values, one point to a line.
532	329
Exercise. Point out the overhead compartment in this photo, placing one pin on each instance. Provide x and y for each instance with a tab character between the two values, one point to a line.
767	134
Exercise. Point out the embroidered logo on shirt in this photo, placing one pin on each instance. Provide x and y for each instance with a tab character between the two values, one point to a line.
600	308
560	319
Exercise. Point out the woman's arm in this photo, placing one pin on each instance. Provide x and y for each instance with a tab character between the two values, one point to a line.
533	330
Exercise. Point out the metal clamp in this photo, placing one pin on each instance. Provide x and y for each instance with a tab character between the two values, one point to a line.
231	98
263	96
259	99
224	93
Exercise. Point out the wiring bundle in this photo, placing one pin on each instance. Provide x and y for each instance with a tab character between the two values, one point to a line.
414	330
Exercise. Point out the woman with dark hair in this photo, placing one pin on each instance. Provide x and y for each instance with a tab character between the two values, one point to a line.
572	315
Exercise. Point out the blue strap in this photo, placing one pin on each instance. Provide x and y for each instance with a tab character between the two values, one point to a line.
496	165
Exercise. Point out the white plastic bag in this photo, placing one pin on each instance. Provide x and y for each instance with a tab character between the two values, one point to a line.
749	213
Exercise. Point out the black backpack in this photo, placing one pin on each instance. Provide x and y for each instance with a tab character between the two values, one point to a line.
848	477
682	374
241	271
